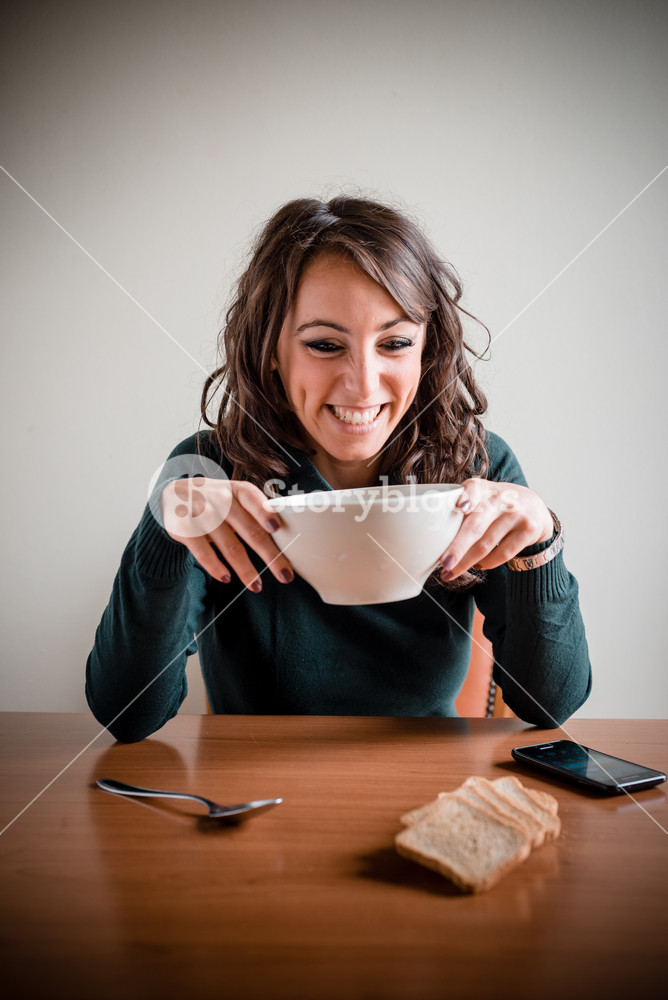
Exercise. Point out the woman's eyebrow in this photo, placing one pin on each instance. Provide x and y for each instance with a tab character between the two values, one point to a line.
344	329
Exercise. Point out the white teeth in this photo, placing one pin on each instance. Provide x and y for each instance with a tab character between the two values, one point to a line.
356	416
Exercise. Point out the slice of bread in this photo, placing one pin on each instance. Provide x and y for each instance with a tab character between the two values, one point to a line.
506	808
547	802
539	804
468	844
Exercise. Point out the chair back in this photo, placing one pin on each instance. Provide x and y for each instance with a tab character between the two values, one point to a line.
480	697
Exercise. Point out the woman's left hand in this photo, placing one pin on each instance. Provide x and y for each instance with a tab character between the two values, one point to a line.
500	519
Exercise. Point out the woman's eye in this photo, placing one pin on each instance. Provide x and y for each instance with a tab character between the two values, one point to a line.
322	346
398	344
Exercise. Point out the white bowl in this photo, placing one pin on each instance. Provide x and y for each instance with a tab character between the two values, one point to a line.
371	545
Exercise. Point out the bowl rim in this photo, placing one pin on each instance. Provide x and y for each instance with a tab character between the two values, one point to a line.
356	495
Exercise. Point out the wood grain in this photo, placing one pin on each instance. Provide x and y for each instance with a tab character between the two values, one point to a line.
104	897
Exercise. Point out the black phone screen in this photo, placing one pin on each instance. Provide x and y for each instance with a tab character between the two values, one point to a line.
586	764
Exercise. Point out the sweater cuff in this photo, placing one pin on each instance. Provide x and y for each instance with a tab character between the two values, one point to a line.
159	557
545	583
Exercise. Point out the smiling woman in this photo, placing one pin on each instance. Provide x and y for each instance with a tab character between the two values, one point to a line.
351	375
354	266
344	367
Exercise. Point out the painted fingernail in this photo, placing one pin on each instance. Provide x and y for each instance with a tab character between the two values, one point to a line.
446	576
255	586
465	505
286	575
225	578
448	563
272	524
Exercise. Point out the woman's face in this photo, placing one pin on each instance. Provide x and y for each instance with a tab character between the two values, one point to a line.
350	362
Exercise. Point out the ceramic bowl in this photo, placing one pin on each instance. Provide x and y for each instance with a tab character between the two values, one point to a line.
368	546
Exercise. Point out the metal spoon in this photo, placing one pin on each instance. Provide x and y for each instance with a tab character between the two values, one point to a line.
232	814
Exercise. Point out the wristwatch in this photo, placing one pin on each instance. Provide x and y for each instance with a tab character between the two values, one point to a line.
518	564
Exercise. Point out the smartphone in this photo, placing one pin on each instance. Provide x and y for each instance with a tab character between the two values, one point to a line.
585	766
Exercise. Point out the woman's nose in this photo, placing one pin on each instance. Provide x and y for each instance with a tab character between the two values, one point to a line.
362	379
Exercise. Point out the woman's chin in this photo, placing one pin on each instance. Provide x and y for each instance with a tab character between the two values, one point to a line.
354	450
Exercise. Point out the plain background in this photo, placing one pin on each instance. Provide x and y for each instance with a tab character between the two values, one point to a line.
160	135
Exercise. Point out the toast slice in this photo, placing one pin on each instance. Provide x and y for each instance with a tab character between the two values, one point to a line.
468	844
539	804
482	792
543	799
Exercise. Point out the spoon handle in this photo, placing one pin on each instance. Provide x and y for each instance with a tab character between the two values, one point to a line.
120	788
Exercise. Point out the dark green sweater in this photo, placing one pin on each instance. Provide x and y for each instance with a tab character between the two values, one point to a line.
284	651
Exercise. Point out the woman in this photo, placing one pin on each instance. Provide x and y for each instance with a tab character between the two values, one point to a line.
344	365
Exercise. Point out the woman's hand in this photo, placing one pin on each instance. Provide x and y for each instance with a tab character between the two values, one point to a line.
500	519
201	512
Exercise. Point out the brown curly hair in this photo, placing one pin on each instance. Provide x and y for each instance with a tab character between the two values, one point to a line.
441	438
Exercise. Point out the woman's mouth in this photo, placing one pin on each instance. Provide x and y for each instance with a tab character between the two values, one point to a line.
351	415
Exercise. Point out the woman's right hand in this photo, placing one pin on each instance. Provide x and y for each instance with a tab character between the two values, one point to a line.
201	512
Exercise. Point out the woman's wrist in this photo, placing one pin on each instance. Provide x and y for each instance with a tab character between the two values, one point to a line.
551	530
545	554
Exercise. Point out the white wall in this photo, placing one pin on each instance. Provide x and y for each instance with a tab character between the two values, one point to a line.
161	134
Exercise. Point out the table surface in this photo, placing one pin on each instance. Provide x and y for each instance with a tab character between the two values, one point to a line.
107	897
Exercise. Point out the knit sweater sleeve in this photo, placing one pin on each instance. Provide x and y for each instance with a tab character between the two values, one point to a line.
135	674
534	622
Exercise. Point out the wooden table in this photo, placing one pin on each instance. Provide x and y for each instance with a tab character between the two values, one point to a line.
103	897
